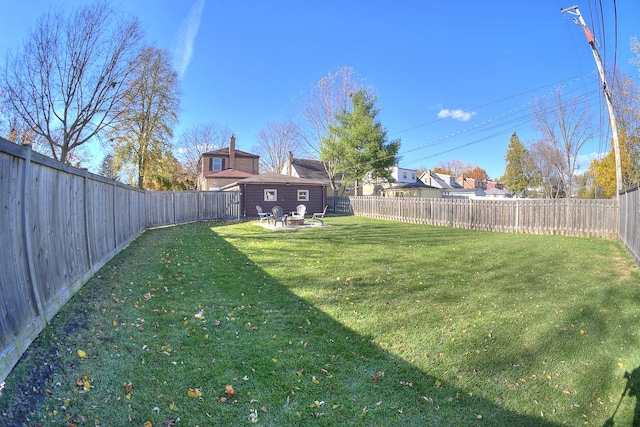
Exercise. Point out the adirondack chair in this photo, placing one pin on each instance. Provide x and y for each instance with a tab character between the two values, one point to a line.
319	216
278	215
263	215
300	212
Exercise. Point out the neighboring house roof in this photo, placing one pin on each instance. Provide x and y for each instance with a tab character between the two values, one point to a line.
417	184
229	173
441	180
309	168
274	179
225	152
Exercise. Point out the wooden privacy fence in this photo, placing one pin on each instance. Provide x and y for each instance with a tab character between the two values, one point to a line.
574	217
629	224
59	225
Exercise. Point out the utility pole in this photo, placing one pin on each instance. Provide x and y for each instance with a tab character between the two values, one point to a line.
573	10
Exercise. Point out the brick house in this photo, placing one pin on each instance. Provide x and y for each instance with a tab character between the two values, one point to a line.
226	165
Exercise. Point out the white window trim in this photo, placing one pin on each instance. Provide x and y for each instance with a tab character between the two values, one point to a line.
304	198
273	198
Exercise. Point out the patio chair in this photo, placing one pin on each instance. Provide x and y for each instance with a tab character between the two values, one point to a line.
263	215
319	216
301	210
278	215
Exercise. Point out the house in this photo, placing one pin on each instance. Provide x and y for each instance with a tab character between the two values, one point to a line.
453	188
412	189
224	166
313	169
372	186
439	180
273	189
471	183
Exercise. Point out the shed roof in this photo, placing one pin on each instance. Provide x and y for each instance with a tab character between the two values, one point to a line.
274	179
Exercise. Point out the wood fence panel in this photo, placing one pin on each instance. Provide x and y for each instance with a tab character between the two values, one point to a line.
572	217
629	224
101	221
20	322
57	225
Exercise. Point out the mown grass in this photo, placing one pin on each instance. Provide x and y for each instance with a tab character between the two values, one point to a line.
362	322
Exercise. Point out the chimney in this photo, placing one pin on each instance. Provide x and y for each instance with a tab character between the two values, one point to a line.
289	169
232	152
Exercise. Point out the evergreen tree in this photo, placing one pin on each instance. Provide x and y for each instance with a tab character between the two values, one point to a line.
519	172
357	146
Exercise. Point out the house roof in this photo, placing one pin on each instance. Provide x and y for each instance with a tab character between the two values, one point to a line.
309	168
417	184
274	179
229	173
225	152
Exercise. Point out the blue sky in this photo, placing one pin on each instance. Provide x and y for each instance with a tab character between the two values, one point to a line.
244	63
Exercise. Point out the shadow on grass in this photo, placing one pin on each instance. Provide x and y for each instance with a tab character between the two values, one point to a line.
631	389
289	363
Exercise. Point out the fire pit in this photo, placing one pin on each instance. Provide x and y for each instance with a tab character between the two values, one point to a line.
294	220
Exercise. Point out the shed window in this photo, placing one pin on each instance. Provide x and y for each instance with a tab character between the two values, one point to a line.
303	195
270	195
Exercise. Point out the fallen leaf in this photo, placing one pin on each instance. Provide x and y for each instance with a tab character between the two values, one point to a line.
375	378
314	380
82	354
148	424
229	391
172	406
194	392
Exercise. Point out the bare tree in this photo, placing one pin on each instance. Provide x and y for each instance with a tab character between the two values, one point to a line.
273	144
548	164
565	126
197	140
68	81
318	109
144	132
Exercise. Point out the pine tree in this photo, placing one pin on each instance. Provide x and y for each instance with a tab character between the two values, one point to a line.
519	173
357	146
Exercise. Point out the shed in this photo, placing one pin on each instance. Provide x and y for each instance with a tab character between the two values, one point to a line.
273	189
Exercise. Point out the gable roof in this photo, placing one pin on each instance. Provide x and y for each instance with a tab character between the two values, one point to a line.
225	152
309	168
416	184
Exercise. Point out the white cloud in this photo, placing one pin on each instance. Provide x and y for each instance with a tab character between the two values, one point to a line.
183	49
461	115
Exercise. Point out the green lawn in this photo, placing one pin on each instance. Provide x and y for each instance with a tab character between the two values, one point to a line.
361	322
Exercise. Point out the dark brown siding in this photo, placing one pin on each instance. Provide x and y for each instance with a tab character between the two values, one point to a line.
253	194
